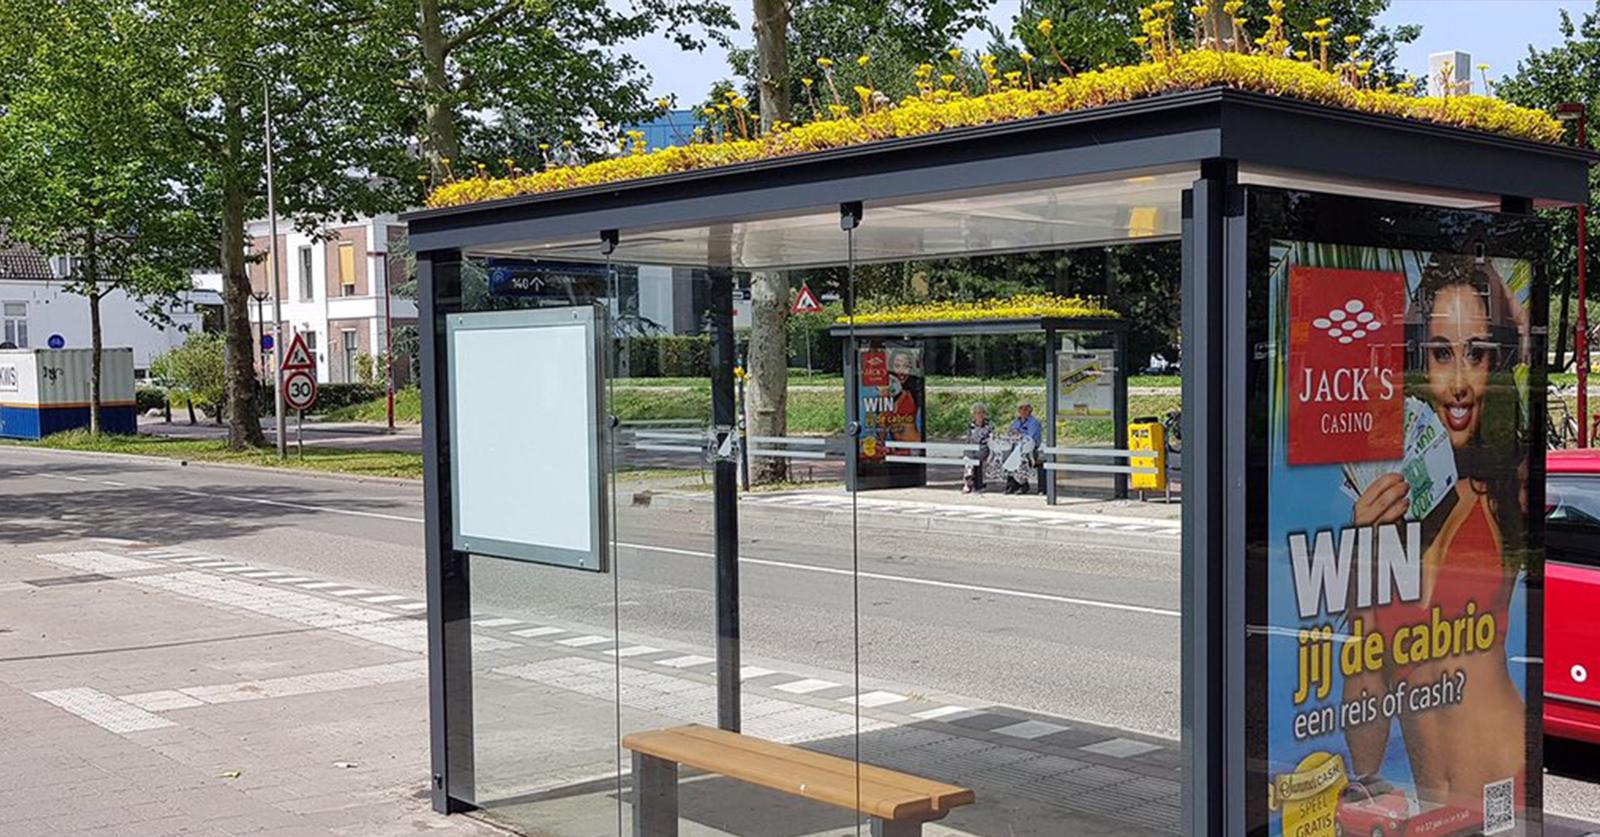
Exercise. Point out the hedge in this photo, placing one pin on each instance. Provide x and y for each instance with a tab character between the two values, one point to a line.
329	396
147	398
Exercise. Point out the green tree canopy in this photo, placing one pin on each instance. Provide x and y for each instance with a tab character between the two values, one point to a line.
1566	72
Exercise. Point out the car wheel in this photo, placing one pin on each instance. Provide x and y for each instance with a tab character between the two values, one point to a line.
1377	831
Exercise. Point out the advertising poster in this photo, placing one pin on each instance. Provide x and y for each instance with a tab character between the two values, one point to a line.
1397	542
891	409
1086	385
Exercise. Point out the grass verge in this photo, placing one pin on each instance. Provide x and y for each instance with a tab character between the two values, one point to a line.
335	460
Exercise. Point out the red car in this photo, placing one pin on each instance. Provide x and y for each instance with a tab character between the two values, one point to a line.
1371	807
1572	596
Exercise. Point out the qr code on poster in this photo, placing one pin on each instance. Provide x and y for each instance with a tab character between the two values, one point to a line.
1499	806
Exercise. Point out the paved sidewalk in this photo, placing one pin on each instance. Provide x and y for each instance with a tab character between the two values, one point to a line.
149	698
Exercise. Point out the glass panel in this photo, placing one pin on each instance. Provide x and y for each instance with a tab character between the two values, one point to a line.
1024	651
544	709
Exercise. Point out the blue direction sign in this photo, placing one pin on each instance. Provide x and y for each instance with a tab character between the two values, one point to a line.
266	342
56	341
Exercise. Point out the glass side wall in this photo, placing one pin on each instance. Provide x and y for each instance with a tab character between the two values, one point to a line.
1024	651
543	697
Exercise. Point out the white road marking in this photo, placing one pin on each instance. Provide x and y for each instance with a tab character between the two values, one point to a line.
385	599
633	651
943	712
118	541
321	585
1121	748
293	579
752	672
924	582
496	623
114	483
686	661
1030	729
353	591
164	700
412	606
267	574
305	506
74	479
193	559
93	561
873	700
540	631
103	710
806	687
233	568
584	641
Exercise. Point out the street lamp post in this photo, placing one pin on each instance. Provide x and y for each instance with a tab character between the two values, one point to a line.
388	341
272	253
261	333
1575	111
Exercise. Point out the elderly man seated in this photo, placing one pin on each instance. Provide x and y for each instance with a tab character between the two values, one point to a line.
1026	426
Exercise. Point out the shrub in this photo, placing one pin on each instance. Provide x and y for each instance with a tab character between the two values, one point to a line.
147	398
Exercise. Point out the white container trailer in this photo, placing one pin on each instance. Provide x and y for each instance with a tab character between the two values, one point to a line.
44	391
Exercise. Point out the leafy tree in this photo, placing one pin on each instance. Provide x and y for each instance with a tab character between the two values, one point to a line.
528	80
1567	72
337	151
87	171
194	372
1083	34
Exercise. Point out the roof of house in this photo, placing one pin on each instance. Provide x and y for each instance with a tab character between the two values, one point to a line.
19	261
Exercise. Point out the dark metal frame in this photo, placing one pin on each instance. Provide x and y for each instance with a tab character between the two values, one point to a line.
1218	130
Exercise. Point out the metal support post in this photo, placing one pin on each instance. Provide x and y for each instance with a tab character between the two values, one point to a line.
449	594
725	481
1052	398
1214	792
1119	407
279	419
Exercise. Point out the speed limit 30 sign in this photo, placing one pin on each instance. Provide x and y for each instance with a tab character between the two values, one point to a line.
300	376
299	390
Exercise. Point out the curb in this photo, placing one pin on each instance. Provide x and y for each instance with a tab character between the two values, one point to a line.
935	523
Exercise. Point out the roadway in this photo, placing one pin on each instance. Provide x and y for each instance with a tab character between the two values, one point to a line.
1083	629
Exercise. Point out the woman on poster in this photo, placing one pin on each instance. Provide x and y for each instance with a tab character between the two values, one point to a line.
1465	337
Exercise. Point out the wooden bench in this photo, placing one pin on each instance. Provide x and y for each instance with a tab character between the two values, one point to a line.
897	803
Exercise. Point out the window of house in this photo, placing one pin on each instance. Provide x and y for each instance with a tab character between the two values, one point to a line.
347	268
352	347
307	290
16	324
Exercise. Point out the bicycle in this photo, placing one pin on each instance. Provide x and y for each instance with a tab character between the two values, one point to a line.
1560	426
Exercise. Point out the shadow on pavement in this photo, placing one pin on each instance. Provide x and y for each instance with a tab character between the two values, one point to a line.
75	510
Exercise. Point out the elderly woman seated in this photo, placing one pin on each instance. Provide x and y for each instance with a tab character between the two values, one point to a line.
979	429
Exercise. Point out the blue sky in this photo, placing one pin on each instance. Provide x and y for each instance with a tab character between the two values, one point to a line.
1495	32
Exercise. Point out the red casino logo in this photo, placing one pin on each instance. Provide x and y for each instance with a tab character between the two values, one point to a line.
1346	363
875	368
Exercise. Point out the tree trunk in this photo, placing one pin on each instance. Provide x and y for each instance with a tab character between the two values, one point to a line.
767	385
772	60
443	142
244	423
92	265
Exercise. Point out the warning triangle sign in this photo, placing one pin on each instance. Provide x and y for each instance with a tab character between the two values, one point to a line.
299	357
806	302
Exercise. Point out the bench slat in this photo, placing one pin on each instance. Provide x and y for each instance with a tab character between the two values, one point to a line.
886	794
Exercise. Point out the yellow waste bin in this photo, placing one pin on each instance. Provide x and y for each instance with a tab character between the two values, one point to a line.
1152	437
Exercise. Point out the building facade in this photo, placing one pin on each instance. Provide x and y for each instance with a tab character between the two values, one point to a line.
36	306
334	286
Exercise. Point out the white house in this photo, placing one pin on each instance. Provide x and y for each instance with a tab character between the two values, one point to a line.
334	287
35	307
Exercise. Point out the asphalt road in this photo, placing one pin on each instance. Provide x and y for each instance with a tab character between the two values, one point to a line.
1085	630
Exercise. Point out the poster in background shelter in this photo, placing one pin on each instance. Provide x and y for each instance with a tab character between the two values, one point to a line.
892	408
1398	542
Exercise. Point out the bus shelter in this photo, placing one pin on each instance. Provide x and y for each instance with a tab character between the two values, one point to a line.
1337	268
1096	386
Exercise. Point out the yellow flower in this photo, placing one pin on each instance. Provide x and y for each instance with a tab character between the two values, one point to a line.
824	63
862	61
806	80
1324	22
1026	56
1352	40
955	54
663	103
1045	27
